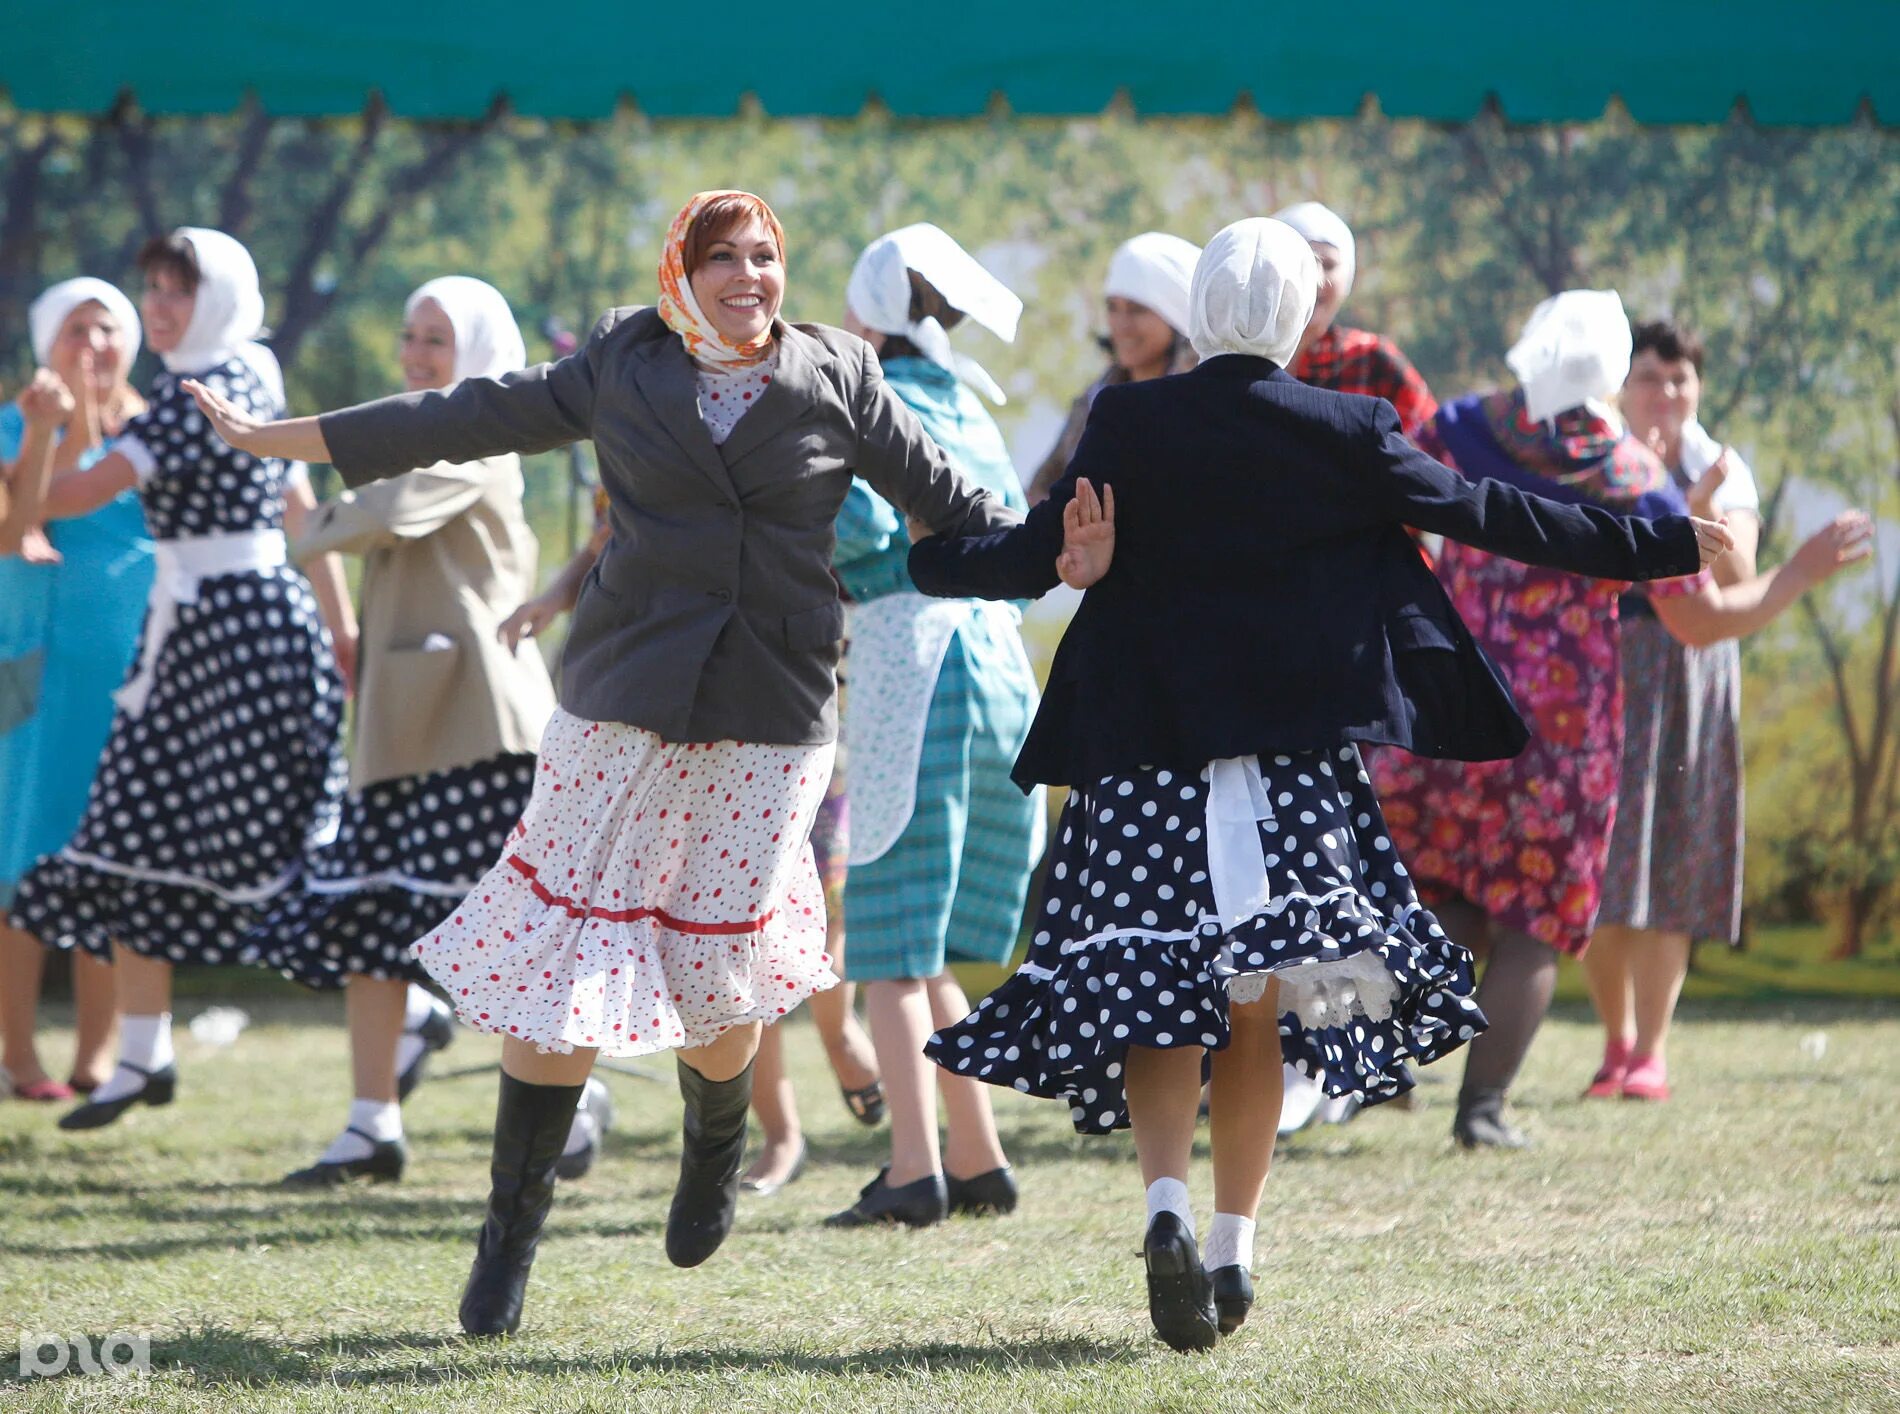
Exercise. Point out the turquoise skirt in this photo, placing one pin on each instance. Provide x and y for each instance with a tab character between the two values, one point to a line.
67	636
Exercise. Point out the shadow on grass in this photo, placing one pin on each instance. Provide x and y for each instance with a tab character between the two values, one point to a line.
215	1356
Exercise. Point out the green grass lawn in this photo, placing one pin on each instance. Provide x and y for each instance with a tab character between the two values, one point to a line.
1736	1249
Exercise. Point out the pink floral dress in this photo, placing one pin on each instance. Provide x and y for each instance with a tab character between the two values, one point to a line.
1526	839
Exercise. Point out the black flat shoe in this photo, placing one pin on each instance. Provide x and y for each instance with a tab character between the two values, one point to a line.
382	1164
924	1203
436	1032
989	1194
712	1155
766	1187
1180	1296
1480	1122
865	1103
1233	1296
160	1087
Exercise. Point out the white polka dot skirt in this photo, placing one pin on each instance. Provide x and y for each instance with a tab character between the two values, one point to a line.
653	896
207	802
409	850
1129	949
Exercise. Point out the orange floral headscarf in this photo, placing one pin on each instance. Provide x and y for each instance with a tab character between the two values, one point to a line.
681	312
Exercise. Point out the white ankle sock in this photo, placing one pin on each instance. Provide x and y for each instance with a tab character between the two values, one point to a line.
408	1047
1229	1242
145	1042
381	1120
1170	1195
581	1132
416	1007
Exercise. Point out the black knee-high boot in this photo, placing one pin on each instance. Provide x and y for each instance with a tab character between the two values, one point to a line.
710	1159
531	1125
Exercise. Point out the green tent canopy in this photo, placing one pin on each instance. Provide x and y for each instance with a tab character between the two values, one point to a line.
1685	62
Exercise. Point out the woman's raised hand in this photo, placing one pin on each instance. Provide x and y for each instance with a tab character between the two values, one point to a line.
230	422
1088	536
1712	539
1702	495
46	402
1845	540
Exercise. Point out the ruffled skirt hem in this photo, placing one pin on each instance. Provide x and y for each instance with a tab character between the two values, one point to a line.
1359	999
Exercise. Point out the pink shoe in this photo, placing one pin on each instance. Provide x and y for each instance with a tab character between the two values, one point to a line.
1646	1079
1607	1083
44	1092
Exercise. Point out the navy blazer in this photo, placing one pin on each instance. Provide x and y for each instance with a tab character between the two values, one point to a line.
1264	594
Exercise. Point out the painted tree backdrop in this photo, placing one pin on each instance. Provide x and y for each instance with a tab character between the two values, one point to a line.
1782	247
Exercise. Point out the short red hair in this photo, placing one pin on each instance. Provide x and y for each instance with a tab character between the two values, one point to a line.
719	218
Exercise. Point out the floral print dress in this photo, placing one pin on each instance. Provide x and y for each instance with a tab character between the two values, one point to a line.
1527	839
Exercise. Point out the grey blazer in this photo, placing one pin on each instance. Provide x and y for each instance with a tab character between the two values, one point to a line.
713	615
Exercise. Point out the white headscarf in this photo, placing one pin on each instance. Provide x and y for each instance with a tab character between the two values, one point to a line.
878	293
228	315
1253	291
1324	226
1575	349
488	342
1154	269
48	314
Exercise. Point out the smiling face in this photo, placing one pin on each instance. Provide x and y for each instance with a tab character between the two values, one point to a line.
740	282
1139	339
428	348
1332	292
91	330
165	306
1660	395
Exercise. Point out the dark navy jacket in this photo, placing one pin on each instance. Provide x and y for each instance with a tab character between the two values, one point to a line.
1264	594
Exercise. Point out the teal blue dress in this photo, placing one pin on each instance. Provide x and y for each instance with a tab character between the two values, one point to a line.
67	635
950	884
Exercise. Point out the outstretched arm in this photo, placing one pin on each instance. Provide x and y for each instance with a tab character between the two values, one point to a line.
293	439
904	464
1405	485
1023	562
1717	612
535	410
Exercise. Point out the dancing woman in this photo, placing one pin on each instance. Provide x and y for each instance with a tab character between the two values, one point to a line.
1222	885
1514	853
1145	302
660	893
941	697
224	758
447	723
67	633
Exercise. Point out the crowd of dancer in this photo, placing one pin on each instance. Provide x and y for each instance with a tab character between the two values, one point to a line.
1521	604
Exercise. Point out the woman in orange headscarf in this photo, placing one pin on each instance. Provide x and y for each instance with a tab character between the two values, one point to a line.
659	893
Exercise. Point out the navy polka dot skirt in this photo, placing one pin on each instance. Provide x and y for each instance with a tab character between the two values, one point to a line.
1139	942
408	852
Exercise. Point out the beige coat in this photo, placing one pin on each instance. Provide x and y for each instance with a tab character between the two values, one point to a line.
448	556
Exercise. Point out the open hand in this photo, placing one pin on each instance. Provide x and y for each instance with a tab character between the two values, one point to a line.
46	402
230	422
1088	536
1843	541
531	620
1712	539
1709	485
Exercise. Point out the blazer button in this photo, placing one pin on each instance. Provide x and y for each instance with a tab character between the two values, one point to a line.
724	596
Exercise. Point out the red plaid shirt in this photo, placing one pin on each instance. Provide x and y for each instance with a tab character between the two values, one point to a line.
1354	361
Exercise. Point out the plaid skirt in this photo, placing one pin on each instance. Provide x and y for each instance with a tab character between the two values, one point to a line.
952	888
